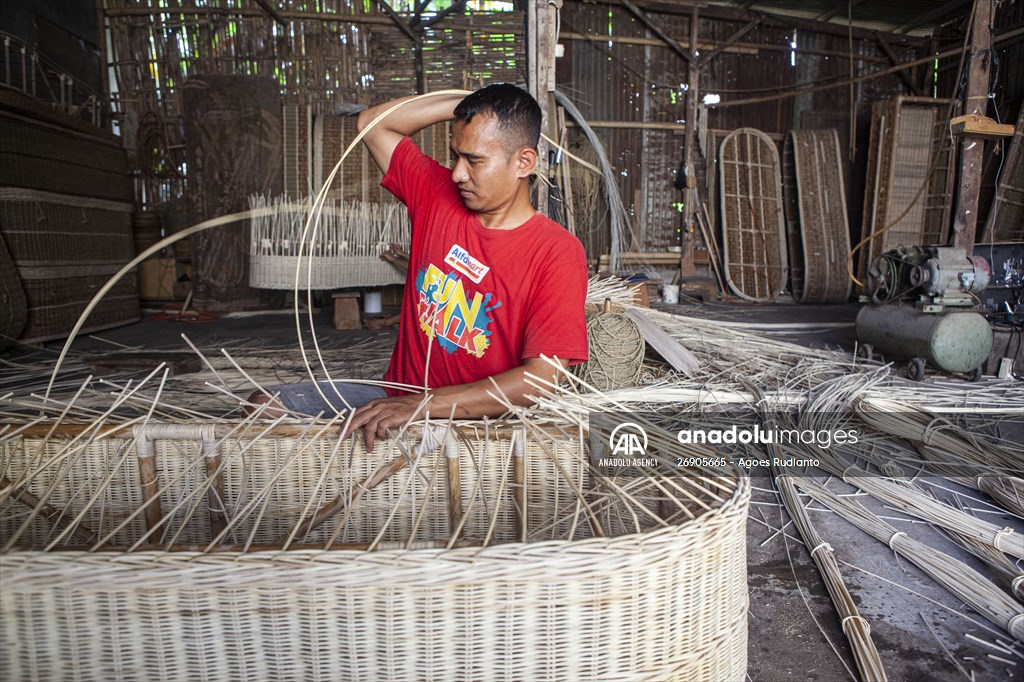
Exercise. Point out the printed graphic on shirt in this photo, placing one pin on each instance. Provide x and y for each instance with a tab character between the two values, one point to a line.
460	259
458	318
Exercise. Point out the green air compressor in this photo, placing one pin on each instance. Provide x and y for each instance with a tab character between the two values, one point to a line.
920	308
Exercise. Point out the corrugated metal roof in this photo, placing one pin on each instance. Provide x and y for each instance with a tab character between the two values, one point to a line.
914	17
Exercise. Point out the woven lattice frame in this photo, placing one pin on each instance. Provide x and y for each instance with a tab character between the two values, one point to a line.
909	140
665	603
753	225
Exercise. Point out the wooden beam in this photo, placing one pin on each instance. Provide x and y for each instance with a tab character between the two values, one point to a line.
657	125
965	220
114	12
1000	38
540	58
636	125
931	16
742	48
272	11
739	48
841	6
728	42
902	73
653	28
101	21
400	22
770	19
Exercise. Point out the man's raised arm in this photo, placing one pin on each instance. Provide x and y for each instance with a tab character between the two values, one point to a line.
406	120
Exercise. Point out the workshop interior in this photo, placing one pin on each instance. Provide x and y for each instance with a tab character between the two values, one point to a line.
793	451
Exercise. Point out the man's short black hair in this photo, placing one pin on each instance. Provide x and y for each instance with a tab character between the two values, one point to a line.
516	110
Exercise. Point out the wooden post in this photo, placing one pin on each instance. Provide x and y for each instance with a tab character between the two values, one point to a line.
215	493
690	192
101	22
148	481
540	57
451	458
519	485
49	512
965	222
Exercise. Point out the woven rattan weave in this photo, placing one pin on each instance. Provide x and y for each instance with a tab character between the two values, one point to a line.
823	241
753	227
342	249
429	577
909	190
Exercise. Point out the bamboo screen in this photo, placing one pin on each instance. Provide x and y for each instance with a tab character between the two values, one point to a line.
330	53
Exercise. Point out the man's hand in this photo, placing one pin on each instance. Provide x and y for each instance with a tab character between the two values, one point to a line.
396	256
377	416
466	401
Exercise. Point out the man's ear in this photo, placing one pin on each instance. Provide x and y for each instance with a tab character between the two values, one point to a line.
526	161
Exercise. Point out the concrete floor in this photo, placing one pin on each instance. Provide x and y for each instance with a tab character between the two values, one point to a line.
793	630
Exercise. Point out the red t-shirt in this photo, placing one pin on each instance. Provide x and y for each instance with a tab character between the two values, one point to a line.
490	298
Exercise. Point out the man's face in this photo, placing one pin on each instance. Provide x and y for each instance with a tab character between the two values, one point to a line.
485	169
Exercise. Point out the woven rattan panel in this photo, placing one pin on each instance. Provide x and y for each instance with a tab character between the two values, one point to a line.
65	215
44	157
45	229
13	306
279	272
1006	219
821	241
909	191
64	249
55	304
668	602
753	226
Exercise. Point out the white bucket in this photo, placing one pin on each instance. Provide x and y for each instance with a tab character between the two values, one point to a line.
670	293
372	303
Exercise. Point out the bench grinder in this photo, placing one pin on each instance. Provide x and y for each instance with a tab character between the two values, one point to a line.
920	309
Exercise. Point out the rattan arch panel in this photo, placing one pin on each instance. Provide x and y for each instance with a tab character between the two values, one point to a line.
753	227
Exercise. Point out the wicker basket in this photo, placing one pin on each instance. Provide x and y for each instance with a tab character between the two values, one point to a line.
429	585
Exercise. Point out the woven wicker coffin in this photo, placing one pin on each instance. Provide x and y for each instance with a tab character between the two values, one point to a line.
427	585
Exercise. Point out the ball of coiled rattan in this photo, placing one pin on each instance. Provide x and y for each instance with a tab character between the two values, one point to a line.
616	350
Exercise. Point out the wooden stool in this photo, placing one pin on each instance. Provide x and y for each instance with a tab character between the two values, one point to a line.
346	310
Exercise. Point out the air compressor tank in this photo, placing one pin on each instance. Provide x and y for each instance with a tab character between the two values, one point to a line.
950	341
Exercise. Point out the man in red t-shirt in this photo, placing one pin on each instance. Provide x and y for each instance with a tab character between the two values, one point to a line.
492	284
